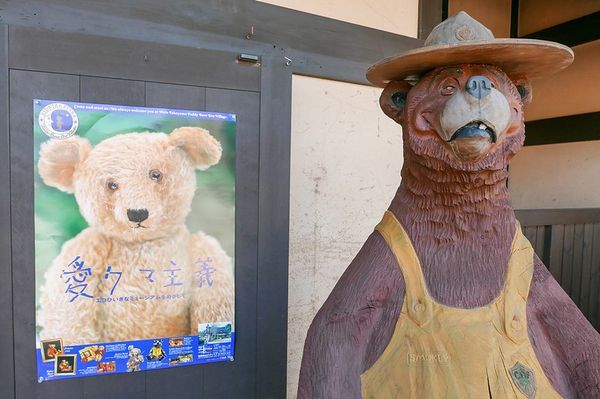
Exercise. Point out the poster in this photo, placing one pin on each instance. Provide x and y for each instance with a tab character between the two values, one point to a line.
134	238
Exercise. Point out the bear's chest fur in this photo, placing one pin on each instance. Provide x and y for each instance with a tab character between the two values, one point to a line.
153	279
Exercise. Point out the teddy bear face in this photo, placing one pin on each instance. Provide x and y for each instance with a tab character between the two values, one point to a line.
134	186
466	117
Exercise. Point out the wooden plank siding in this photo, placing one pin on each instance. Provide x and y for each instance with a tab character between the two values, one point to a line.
568	242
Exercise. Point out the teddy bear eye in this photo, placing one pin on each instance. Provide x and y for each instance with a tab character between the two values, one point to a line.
155	174
112	186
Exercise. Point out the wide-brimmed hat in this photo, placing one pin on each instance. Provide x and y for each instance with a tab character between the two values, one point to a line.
461	39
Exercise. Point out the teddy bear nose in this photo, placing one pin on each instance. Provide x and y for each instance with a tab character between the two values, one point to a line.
137	215
479	86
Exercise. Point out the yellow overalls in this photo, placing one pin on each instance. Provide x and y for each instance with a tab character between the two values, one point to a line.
440	351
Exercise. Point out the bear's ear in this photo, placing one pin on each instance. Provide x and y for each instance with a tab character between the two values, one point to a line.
201	148
59	159
524	89
393	99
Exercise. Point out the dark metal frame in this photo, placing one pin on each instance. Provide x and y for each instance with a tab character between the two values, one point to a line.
138	40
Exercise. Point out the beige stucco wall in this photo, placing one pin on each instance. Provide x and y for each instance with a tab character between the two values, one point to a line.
556	176
396	16
345	168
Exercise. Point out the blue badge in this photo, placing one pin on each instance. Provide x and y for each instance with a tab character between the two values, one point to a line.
524	379
58	121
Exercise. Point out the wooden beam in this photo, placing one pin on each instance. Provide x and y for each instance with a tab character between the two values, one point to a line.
514	18
571	33
7	387
444	10
564	129
548	217
317	46
430	14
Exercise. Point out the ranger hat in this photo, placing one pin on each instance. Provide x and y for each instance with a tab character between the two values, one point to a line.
461	39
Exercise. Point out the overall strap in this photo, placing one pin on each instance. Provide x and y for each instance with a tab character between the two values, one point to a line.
516	291
417	300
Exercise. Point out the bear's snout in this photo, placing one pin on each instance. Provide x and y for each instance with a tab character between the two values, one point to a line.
479	86
137	215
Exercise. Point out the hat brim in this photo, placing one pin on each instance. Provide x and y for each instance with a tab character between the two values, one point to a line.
531	58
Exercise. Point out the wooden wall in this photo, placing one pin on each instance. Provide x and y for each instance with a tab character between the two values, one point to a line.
568	242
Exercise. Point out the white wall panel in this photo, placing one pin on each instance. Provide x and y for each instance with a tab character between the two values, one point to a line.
556	176
346	157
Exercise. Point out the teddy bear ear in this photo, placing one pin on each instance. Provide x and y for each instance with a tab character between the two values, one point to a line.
59	159
201	148
393	99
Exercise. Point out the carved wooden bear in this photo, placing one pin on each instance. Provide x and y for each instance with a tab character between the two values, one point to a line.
446	299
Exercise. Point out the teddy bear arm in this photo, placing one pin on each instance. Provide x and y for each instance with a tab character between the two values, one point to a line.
353	326
572	361
67	308
213	282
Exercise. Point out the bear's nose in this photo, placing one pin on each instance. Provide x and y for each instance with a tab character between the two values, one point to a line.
479	86
137	215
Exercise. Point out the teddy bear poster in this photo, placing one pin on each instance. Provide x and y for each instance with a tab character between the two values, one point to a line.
134	230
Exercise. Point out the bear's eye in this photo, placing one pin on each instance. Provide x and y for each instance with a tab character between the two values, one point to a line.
448	90
155	175
112	186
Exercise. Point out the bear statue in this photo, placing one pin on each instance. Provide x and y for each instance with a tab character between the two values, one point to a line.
446	298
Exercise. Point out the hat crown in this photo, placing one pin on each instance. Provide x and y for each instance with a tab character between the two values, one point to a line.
458	29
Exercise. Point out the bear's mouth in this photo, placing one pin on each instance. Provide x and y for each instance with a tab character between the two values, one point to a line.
139	226
475	129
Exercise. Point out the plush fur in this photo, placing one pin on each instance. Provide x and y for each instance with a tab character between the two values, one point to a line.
455	206
133	171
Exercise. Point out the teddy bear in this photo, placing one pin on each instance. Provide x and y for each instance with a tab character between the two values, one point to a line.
136	272
135	358
156	352
52	351
446	298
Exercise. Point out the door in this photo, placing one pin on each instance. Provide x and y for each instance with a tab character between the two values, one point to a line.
112	71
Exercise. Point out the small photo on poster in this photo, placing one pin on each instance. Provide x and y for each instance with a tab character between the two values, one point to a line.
212	333
65	365
91	353
107	367
50	349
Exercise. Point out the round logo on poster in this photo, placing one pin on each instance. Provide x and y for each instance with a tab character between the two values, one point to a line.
58	121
